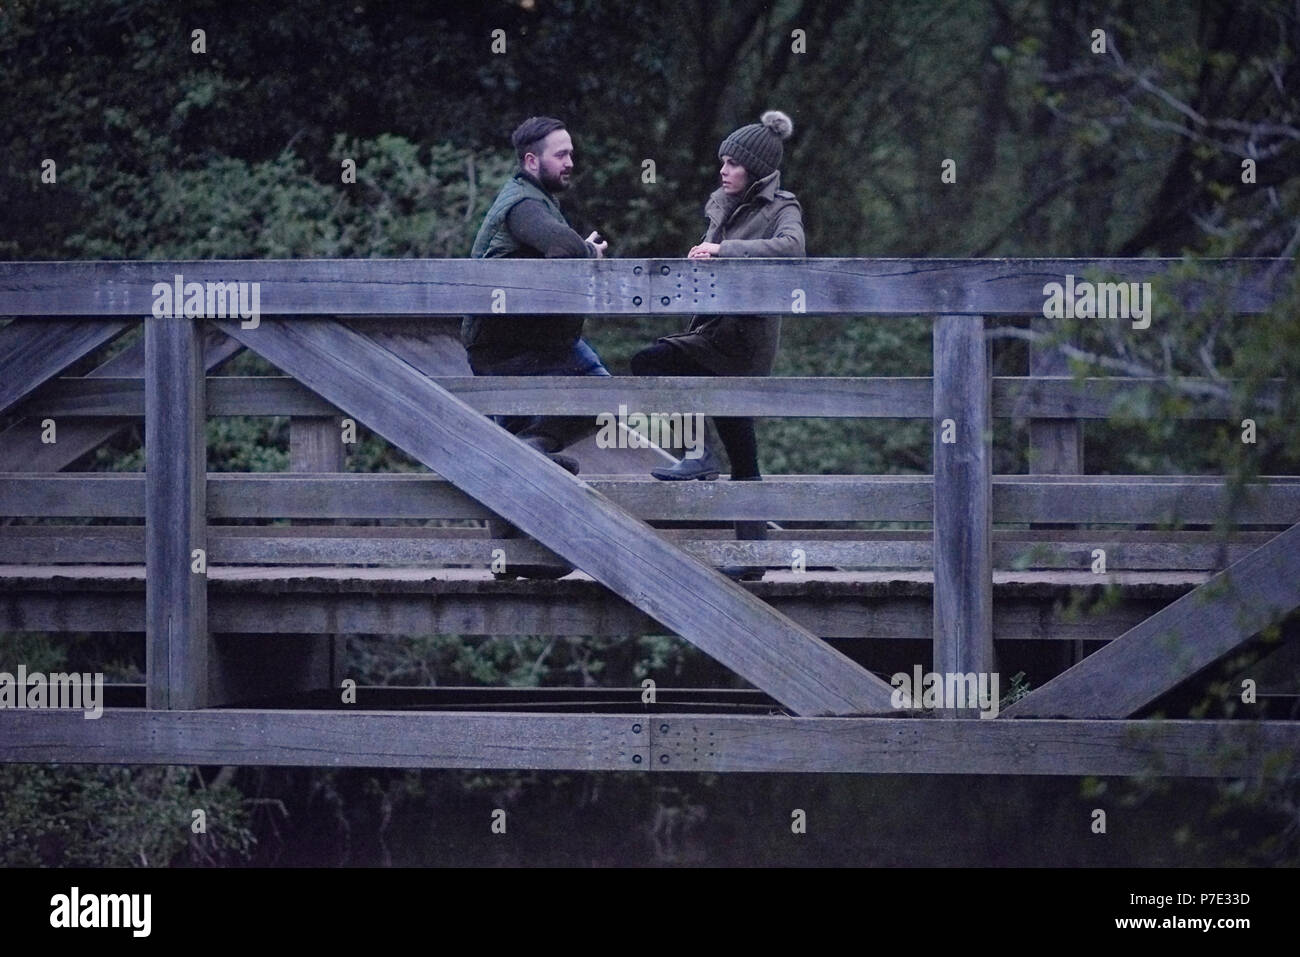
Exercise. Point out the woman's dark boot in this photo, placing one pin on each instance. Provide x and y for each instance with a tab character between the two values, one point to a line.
705	468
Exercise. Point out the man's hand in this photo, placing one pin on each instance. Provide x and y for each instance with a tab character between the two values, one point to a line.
704	251
598	244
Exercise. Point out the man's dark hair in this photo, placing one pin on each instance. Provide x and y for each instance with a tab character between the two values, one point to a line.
531	131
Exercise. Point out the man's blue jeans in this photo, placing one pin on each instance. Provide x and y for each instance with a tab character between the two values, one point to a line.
559	432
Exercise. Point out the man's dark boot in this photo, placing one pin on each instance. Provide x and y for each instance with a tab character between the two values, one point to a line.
500	528
747	532
546	447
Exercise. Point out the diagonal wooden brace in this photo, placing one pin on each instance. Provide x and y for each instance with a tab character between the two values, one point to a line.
1176	642
716	615
20	447
34	350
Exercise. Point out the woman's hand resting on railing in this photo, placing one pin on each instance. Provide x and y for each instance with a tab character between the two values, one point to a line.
704	251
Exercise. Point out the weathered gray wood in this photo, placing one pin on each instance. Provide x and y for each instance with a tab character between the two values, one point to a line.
923	286
430	343
32	351
1055	447
565	514
316	445
419	496
310	545
662	742
963	501
1118	499
21	449
332	739
578	609
1042	400
345	287
176	515
614	286
898	609
433	346
786	396
1179	640
1027	537
57	495
81	611
937	746
1064	397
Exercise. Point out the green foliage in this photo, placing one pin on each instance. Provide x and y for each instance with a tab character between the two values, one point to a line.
109	816
401	206
519	661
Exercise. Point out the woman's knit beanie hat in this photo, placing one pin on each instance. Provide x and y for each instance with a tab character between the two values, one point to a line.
757	147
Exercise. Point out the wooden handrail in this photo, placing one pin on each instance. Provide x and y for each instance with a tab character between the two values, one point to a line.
613	287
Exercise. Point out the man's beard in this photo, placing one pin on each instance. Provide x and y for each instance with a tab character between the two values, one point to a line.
554	183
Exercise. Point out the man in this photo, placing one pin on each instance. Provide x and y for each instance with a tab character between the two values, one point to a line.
525	221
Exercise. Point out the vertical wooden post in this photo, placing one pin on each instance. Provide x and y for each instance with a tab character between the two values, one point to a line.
1055	446
176	611
963	495
248	667
315	444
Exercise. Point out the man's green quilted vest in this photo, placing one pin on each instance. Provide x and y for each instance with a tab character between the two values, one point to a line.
494	338
494	239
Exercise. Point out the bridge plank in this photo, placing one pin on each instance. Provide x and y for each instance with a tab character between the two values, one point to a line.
370	545
1178	641
568	516
897	608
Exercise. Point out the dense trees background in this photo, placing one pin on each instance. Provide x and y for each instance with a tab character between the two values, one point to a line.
235	152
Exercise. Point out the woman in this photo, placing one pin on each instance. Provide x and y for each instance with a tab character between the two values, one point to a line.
749	215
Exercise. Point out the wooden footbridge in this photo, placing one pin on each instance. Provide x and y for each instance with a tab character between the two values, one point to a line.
241	617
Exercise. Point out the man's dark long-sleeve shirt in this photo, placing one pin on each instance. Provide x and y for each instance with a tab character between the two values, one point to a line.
533	226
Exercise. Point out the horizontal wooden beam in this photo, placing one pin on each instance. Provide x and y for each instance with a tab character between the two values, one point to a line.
240	545
1114	499
378	602
791	396
362	287
658	742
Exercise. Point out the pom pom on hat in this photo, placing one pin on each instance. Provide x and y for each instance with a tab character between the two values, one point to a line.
778	123
757	147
